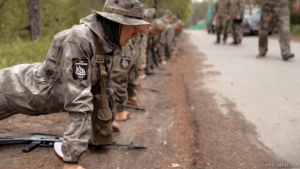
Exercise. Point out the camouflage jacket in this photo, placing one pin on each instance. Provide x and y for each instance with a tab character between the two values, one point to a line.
237	8
63	82
222	8
123	75
170	36
277	3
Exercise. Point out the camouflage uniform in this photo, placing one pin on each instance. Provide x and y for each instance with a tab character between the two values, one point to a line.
237	8
170	44
279	11
152	59
143	55
123	76
67	79
162	41
221	12
52	86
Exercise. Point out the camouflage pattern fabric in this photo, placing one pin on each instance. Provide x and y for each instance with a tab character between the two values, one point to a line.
274	3
237	9
221	27
123	73
221	12
237	31
62	83
143	56
279	12
222	8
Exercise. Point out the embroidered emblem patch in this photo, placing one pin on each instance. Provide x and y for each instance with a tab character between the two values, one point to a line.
125	63
80	68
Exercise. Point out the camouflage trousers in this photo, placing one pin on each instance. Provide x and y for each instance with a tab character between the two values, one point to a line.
281	15
5	112
237	31
221	27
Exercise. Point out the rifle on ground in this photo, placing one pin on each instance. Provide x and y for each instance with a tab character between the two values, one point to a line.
135	108
148	89
158	73
44	140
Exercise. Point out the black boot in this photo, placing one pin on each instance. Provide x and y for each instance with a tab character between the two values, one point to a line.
217	42
287	57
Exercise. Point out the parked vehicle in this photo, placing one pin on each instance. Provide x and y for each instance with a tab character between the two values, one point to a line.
251	22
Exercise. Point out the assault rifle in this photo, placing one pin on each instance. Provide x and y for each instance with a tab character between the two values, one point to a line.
147	89
158	73
43	140
135	108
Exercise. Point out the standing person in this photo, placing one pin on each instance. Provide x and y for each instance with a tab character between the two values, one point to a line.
280	12
75	78
222	16
237	16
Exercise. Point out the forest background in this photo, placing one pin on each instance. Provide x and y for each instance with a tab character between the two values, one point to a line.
24	40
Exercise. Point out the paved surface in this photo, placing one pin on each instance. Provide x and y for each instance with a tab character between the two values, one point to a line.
265	91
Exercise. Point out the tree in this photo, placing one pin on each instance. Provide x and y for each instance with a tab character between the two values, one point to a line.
34	19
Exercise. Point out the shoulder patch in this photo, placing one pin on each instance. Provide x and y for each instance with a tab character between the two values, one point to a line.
80	68
125	63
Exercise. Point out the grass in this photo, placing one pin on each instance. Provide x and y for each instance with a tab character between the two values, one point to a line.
295	30
23	51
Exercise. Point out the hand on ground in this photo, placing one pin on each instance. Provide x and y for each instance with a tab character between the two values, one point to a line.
163	62
142	77
123	116
133	101
116	127
72	166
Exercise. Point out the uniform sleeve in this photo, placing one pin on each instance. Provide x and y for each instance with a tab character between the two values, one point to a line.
161	46
242	7
132	76
119	83
76	79
216	9
229	8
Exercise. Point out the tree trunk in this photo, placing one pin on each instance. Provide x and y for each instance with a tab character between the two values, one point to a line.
34	19
5	23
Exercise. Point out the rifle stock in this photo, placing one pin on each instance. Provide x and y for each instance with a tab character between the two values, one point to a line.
148	89
135	108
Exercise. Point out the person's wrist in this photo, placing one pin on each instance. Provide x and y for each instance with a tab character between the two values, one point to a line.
120	108
70	166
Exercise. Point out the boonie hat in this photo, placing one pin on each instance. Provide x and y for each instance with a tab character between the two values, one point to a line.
126	12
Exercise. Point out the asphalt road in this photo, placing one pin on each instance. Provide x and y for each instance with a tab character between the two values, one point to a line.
266	91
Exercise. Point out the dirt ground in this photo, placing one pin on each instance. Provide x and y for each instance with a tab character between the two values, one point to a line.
183	125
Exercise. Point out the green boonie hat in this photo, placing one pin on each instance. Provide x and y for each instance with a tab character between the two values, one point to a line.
164	20
126	12
149	13
158	25
174	17
168	11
